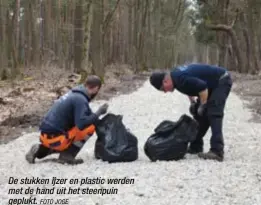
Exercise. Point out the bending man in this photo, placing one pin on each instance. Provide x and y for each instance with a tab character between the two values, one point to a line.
211	85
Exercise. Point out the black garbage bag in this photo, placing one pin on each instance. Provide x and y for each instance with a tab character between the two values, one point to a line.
115	143
170	139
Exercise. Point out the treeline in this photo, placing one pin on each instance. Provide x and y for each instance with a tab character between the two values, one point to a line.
87	35
229	32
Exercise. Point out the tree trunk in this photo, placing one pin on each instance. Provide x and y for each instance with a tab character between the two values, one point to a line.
88	25
96	35
252	41
17	25
247	40
140	52
11	52
235	43
3	41
78	36
130	32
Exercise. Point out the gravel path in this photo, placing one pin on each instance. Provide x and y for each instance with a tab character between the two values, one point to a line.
191	181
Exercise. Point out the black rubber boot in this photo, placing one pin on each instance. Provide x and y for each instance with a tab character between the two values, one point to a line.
32	153
66	158
194	150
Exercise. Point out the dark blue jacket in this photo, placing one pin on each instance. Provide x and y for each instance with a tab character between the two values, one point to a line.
71	109
194	78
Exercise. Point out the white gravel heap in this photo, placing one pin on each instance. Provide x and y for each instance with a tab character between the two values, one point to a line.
237	180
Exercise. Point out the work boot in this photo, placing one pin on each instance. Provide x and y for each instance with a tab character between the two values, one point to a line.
32	153
195	147
194	150
211	156
66	158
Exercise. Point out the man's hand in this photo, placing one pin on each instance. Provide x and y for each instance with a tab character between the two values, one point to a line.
203	96
102	109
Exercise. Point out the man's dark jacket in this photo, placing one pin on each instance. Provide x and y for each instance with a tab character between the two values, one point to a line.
194	78
71	109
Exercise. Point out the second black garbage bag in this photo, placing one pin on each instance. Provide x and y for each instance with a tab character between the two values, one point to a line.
170	139
115	143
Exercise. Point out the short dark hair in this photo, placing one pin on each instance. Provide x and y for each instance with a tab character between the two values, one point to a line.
93	81
156	79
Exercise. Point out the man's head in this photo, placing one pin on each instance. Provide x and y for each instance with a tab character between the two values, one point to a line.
93	84
162	81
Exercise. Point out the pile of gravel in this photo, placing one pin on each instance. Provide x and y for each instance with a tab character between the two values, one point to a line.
190	181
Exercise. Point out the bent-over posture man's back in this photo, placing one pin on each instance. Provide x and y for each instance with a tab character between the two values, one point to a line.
211	86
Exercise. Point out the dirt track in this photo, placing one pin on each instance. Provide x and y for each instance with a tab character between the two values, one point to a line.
191	181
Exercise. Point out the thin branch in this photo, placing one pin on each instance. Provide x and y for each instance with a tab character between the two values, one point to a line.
221	27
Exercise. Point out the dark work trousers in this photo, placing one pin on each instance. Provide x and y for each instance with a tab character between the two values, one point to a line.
72	150
213	117
198	144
